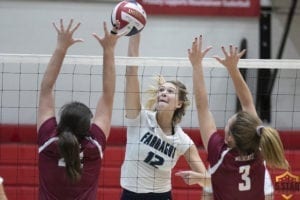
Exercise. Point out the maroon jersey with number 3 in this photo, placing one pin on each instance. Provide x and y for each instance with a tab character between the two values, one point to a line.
53	181
234	177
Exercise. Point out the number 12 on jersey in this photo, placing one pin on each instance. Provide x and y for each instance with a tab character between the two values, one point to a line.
154	159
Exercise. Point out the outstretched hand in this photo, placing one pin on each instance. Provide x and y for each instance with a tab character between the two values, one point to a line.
232	58
109	39
65	36
191	177
195	53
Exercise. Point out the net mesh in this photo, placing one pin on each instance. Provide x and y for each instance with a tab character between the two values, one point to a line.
80	79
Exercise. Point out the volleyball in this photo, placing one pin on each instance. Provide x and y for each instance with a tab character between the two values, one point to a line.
131	15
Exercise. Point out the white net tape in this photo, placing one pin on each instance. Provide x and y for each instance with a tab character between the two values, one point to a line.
151	61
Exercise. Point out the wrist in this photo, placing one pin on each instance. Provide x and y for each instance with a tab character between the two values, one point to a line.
233	71
197	67
232	68
109	50
61	49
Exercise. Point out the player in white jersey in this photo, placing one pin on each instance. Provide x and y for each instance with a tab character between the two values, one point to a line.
155	141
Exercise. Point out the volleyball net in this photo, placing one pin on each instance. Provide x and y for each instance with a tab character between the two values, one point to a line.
81	80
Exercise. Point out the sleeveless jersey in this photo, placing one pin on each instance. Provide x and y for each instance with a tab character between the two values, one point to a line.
235	177
151	155
53	181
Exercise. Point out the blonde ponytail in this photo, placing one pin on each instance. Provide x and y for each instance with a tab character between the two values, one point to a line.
272	149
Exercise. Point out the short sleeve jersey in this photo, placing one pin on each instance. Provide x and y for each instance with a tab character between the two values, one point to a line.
234	177
53	181
151	154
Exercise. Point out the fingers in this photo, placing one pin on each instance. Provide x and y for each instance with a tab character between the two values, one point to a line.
179	174
57	30
218	59
96	36
69	28
207	50
110	37
242	53
70	25
231	50
200	42
106	32
75	28
115	28
61	25
236	50
197	47
78	40
224	51
105	28
183	174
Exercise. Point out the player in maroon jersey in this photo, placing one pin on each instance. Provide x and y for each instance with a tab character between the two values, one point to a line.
70	151
236	160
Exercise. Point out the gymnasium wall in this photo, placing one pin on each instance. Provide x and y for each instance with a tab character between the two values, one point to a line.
26	29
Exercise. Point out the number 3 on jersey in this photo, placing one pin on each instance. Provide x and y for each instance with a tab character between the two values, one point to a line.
154	159
245	172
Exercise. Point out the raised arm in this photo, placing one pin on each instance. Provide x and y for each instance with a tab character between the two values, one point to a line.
46	108
105	103
132	88
231	63
205	118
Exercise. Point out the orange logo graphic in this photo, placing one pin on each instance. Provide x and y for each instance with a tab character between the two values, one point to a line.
287	183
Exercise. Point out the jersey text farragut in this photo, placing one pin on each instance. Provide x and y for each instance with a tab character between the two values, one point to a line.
158	144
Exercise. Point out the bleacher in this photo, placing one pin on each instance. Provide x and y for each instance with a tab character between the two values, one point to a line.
18	164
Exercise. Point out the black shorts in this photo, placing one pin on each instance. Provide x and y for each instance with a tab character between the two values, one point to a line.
128	195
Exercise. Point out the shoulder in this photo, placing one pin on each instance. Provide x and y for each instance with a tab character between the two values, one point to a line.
49	123
183	140
181	134
145	117
47	130
216	145
97	133
216	139
94	144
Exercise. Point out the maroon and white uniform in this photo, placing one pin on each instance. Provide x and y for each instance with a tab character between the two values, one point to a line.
53	180
235	177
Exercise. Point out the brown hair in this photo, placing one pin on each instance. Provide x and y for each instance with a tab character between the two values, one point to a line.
182	96
74	125
249	139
